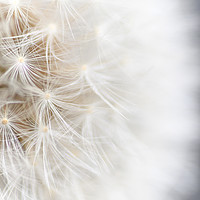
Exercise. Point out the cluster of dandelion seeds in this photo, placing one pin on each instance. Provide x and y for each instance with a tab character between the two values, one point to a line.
96	99
62	96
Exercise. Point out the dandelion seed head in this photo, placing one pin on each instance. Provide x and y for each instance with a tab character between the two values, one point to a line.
59	124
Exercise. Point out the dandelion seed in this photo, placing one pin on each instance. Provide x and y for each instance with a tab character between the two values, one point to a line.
84	67
21	59
45	129
52	28
15	2
4	121
90	109
47	96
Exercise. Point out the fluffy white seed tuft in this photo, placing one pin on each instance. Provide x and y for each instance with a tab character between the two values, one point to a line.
87	90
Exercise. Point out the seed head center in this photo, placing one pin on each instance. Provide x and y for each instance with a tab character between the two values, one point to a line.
47	96
52	28
90	109
45	129
4	121
21	59
84	67
15	2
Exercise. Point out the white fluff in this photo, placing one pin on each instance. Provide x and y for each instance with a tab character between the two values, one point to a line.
96	100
